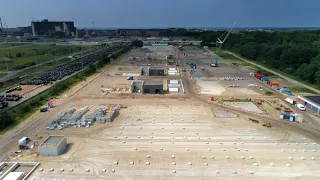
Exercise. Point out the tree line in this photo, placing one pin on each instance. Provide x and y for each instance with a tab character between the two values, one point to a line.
296	53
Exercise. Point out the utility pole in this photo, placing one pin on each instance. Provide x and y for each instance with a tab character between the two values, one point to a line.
7	68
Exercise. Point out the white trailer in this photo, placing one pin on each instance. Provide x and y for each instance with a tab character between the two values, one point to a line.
290	101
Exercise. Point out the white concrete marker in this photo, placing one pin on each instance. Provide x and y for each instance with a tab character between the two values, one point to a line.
246	149
173	163
212	157
221	143
241	143
251	172
70	170
171	122
238	149
87	170
303	158
314	150
104	170
150	141
151	132
152	122
131	163
138	136
189	163
283	150
238	137
135	148
271	164
251	137
314	143
288	143
173	156
313	158
289	165
147	163
305	143
197	133
234	172
185	137
206	164
115	136
255	164
207	142
187	149
234	143
250	157
172	133
123	142
61	169
40	169
51	169
125	136
151	137
304	150
198	137
113	170
223	149
227	157
174	171
115	162
264	137
161	149
148	156
242	157
290	158
183	128
297	143
209	149
217	171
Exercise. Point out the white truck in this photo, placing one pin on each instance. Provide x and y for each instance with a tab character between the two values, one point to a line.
290	101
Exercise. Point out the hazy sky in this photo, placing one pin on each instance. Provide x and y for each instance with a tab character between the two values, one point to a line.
164	13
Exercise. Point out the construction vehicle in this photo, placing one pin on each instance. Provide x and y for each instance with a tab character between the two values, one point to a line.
267	124
214	64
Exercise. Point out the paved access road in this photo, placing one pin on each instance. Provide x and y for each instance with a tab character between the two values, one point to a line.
278	74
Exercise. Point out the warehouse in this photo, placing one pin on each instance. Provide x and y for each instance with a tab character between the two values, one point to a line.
310	102
156	71
153	87
53	146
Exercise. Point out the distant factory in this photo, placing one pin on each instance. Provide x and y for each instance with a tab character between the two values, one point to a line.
58	29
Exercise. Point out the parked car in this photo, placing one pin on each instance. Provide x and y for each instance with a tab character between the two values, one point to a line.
301	107
43	109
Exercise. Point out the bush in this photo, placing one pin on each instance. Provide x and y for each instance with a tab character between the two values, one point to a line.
136	43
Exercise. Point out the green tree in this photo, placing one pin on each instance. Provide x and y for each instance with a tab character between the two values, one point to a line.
136	43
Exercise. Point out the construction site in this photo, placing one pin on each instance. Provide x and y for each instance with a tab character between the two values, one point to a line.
168	112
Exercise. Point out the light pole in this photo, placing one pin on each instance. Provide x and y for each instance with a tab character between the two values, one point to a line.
7	68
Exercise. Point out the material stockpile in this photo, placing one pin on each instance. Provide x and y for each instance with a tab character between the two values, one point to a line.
97	114
60	120
75	117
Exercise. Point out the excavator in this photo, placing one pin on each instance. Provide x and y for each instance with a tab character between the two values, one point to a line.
267	124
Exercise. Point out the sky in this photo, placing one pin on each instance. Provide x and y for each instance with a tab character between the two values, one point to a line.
164	13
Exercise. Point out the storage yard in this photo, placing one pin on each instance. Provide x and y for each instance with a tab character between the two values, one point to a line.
201	123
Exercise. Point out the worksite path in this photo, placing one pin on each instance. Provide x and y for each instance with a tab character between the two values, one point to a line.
278	74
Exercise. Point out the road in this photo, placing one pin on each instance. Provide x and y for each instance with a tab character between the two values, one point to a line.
278	74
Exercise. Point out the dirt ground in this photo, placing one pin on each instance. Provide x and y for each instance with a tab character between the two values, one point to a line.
191	137
169	136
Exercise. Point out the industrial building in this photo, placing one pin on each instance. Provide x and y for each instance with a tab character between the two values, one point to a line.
59	29
153	87
147	86
19	31
310	102
156	71
53	146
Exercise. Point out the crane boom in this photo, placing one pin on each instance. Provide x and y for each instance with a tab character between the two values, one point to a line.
225	38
